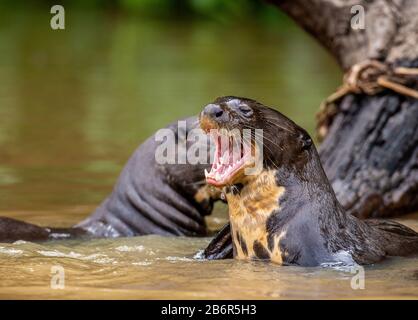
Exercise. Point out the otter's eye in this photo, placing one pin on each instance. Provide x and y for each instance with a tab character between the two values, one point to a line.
306	141
246	110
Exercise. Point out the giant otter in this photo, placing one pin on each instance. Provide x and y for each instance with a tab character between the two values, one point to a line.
287	213
149	198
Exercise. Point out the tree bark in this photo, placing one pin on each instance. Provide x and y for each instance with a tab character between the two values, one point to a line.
370	153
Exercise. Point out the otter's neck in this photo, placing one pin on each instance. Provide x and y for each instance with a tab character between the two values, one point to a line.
250	206
262	208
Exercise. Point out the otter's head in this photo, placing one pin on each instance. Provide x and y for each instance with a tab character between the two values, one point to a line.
284	144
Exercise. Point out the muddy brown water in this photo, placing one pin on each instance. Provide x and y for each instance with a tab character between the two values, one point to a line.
75	104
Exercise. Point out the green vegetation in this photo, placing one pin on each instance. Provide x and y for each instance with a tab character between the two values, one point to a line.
221	10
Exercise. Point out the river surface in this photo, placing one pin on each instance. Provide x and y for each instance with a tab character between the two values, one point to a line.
74	104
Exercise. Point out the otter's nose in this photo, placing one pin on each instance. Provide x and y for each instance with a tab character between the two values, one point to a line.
215	112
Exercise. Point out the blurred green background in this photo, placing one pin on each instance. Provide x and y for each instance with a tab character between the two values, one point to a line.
220	10
75	103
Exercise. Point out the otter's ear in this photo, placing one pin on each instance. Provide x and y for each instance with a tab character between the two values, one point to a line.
305	140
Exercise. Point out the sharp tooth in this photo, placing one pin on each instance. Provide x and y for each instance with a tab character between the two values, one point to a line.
217	176
206	173
224	158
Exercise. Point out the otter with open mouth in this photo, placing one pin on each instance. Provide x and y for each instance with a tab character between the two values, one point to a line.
286	212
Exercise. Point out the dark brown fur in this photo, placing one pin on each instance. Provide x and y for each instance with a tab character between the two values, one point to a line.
148	198
306	225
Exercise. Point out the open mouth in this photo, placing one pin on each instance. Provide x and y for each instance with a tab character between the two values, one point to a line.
232	155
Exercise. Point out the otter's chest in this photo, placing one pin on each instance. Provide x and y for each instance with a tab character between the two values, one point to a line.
249	211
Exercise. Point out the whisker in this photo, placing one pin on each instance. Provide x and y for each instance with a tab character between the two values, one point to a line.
271	151
277	125
269	140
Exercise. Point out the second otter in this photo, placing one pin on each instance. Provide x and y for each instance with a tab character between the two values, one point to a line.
288	213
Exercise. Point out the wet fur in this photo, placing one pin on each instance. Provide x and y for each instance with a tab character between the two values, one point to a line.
249	210
148	198
306	225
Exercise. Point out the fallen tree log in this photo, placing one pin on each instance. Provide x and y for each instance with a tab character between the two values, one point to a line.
370	150
370	146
